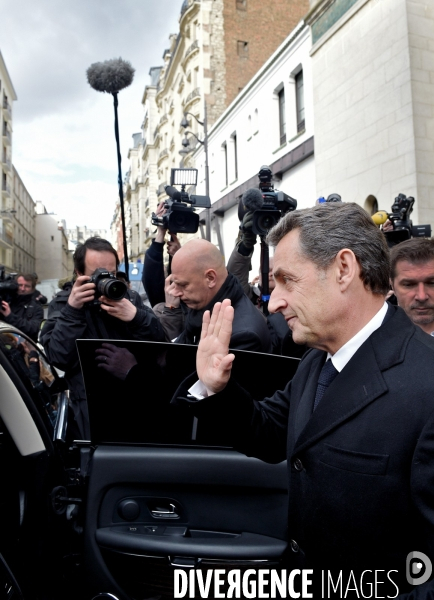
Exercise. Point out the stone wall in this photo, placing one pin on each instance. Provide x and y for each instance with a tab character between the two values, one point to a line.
373	81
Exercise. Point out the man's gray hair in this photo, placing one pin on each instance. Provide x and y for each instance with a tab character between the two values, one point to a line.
326	229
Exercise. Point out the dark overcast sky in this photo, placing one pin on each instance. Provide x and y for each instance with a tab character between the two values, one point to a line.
63	140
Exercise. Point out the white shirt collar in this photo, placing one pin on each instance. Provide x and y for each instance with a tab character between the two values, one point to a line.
344	354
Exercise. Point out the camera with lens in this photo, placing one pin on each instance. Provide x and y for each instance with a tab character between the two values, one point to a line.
275	204
8	285
180	217
403	228
106	284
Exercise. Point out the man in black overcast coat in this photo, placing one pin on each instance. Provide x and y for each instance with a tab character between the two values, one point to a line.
361	457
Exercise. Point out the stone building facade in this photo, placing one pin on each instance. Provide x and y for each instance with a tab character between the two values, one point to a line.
269	123
7	97
219	47
53	256
24	227
373	86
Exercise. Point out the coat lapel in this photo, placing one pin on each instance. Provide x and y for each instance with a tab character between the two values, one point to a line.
360	382
305	406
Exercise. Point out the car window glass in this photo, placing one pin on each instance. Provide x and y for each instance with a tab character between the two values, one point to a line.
137	409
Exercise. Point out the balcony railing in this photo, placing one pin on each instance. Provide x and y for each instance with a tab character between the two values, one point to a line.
163	154
7	136
191	95
6	190
194	46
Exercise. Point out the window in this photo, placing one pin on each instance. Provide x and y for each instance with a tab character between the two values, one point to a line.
243	49
299	99
282	116
234	138
225	158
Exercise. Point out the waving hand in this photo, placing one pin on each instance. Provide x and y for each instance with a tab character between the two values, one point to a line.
213	362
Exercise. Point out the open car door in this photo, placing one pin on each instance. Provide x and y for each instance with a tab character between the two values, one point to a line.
165	494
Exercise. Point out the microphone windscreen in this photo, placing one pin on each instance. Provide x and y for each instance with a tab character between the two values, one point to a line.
173	192
253	199
380	217
110	76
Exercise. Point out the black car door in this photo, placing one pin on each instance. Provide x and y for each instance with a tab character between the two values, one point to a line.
164	495
34	541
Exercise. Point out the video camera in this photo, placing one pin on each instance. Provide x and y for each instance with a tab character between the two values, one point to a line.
8	285
106	284
275	204
181	218
403	228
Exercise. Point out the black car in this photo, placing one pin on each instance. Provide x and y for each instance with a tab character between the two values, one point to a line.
153	490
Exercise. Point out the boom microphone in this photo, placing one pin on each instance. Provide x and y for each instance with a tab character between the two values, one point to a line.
253	199
110	76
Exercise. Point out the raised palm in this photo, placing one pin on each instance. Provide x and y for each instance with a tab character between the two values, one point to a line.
213	361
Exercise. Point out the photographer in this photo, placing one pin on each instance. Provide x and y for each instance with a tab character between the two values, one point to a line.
81	312
21	310
153	272
239	264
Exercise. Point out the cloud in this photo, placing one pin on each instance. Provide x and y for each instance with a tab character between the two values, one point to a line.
84	202
63	131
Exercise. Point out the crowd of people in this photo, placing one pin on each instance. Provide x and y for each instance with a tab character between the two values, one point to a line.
355	423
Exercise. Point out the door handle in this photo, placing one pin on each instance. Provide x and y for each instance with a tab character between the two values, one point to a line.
160	512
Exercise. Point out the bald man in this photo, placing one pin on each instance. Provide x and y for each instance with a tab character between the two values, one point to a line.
198	280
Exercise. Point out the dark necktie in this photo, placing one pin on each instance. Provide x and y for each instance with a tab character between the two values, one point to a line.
328	373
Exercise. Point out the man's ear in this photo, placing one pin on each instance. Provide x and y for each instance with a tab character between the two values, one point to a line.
211	277
347	268
391	285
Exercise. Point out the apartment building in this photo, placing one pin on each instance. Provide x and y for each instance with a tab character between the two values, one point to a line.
269	123
220	45
53	255
24	243
7	97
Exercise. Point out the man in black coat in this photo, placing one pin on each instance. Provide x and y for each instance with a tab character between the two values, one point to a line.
199	279
22	310
73	314
356	423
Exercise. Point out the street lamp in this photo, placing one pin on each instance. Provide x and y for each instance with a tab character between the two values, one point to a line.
204	143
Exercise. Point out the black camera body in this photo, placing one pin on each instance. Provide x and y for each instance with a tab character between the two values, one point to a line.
403	228
106	284
8	285
275	204
181	218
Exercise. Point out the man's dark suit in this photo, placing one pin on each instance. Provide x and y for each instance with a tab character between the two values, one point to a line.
361	467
